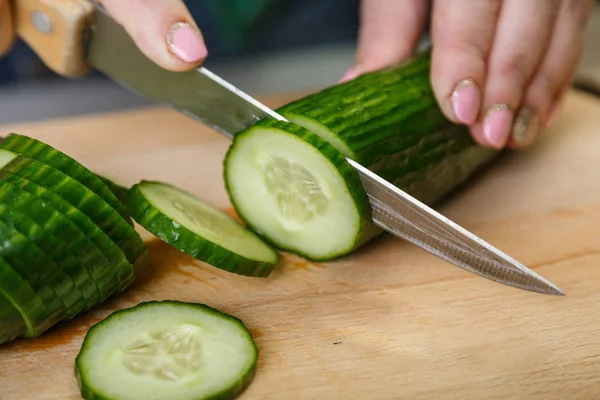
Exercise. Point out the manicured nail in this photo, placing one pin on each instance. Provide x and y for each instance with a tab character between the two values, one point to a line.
525	127
186	42
497	125
466	101
349	75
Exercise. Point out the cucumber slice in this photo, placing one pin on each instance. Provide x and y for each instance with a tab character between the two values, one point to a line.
199	229
83	289
119	191
296	190
25	300
11	323
35	268
166	350
93	249
80	197
45	153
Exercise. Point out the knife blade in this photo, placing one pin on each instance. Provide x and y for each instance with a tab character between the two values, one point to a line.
216	103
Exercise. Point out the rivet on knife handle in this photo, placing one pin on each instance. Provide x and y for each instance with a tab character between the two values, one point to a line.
55	30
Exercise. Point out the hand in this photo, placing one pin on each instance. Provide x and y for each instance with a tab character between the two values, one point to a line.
6	28
498	66
162	29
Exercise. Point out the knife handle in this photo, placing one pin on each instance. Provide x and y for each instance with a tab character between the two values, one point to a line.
55	30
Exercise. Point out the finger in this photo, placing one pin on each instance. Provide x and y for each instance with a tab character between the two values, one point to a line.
462	34
6	27
555	74
519	45
162	29
389	32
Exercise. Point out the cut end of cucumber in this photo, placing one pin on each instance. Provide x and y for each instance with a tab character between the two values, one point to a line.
296	190
6	156
199	229
167	350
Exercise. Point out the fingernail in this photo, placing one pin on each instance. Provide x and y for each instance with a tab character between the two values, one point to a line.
466	101
525	127
186	42
349	75
497	125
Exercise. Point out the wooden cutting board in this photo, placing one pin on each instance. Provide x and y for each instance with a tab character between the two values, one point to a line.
390	321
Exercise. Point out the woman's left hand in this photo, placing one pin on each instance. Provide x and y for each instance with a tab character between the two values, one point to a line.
499	66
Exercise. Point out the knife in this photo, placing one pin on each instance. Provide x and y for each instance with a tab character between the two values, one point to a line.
73	36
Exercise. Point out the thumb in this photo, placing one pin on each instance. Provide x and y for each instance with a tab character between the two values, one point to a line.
389	32
6	27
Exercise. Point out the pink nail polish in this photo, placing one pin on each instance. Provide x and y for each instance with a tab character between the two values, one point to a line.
349	75
186	43
497	125
466	101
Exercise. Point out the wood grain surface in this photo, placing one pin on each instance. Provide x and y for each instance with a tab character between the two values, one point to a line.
390	321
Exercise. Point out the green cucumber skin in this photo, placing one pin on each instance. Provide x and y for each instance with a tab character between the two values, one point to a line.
338	162
105	217
23	298
12	324
45	153
49	273
189	243
45	238
24	258
390	123
244	381
76	229
119	191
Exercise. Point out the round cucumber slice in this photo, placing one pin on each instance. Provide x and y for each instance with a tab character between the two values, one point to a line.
296	190
166	350
199	229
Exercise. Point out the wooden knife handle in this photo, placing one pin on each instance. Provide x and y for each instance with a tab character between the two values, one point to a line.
55	30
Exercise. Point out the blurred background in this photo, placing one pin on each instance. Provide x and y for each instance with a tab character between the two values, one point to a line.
261	46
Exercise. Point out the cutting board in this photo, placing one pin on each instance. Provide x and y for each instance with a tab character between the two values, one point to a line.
389	321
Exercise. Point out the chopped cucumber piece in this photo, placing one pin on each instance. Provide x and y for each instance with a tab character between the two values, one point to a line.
119	191
12	324
166	350
29	304
45	153
296	190
199	229
93	206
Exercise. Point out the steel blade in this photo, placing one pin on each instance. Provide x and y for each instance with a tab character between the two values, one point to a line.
226	109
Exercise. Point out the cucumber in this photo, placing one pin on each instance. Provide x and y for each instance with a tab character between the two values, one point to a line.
166	350
199	229
12	324
29	304
34	267
93	206
388	121
298	191
119	191
82	291
45	153
90	245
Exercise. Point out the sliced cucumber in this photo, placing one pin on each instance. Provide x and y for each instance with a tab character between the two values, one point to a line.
296	190
33	266
199	229
166	350
82	294
29	304
119	191
101	256
80	197
12	324
45	153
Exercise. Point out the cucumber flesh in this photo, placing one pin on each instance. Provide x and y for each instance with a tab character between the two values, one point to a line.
296	190
166	350
199	229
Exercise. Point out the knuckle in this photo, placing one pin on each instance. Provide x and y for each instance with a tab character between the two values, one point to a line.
517	68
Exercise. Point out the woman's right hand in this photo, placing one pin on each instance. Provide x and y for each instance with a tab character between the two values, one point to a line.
6	27
163	30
